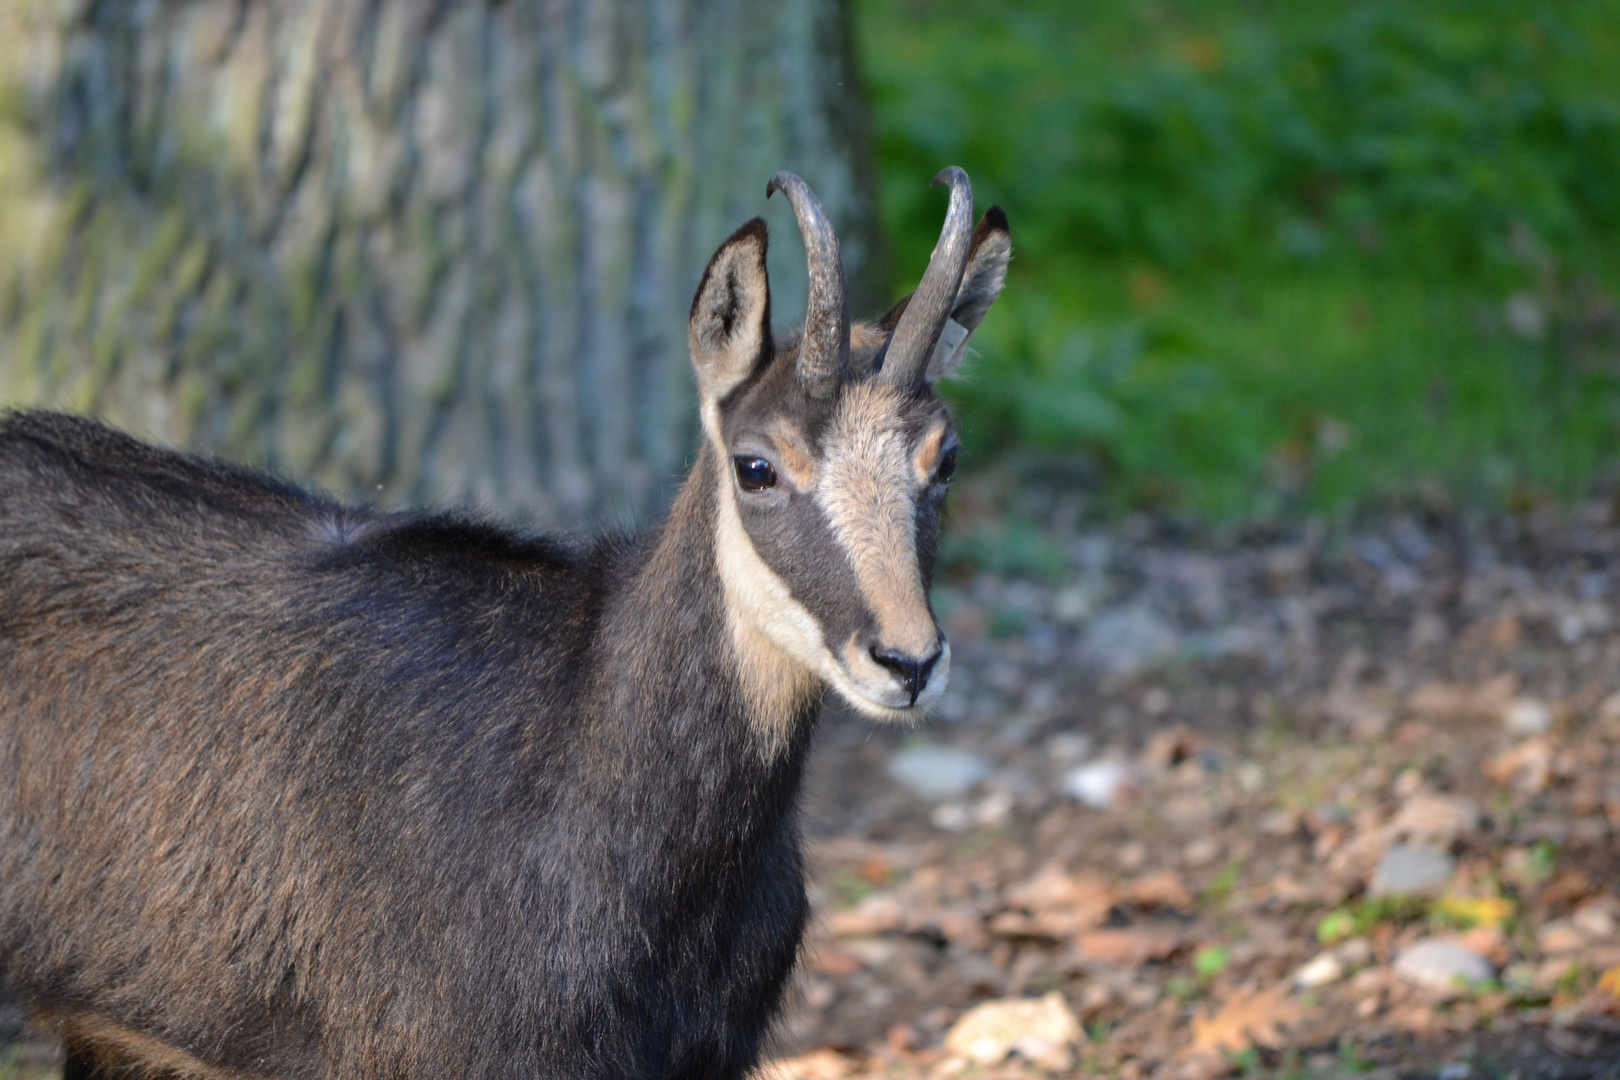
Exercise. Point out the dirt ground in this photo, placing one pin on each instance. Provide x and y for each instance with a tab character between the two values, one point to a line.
1308	802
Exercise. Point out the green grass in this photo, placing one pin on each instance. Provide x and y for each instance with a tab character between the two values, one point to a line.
1277	257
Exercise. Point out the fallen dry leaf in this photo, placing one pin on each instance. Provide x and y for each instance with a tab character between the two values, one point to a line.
1415	1018
1435	820
1040	1030
1162	889
1439	700
1471	911
1053	887
1128	946
1559	937
886	913
1060	905
1527	767
1016	924
1287	891
1245	1020
1503	633
1570	887
958	925
880	913
832	961
1487	941
1171	747
816	1065
1367	719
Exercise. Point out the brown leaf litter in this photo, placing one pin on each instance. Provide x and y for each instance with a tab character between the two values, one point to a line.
1215	913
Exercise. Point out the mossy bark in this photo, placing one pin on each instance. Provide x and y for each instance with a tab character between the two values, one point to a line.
414	250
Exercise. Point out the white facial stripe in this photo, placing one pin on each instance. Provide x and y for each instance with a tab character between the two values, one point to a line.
869	496
709	415
779	643
754	589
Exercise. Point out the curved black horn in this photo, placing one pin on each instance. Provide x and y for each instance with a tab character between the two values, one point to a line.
824	353
912	343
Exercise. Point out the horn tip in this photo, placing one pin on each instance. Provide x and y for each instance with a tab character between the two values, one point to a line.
780	182
950	174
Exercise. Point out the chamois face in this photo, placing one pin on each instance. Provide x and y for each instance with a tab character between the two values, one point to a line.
832	480
840	500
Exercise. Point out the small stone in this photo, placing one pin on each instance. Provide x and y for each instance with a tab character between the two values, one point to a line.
1141	995
951	817
1559	937
1133	855
1156	701
1409	783
1072	604
1596	918
1442	965
1525	316
1527	716
1371	980
1068	747
1357	952
993	809
1410	871
1042	1031
820	995
1127	639
1280	822
1428	631
873	952
1099	784
1201	852
1095	997
1326	968
937	773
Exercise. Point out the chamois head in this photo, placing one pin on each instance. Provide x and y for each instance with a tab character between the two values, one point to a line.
835	454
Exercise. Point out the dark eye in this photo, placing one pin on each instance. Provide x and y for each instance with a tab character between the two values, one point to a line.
947	467
754	474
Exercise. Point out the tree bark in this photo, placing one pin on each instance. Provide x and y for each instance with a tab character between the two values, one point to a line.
415	250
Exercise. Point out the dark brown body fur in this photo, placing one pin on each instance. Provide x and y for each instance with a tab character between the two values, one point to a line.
307	791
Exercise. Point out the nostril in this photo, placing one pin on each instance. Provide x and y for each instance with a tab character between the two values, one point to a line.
912	671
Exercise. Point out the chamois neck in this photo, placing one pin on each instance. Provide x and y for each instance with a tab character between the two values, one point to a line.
678	643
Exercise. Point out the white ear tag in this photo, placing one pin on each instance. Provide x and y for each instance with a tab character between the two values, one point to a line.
946	349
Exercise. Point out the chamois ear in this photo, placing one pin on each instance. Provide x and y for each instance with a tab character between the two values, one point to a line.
730	325
986	273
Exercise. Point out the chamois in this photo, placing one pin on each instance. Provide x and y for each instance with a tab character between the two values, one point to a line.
296	789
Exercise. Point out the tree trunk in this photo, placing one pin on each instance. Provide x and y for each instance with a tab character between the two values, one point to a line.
416	250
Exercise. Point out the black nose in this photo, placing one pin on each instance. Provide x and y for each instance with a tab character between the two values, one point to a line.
913	672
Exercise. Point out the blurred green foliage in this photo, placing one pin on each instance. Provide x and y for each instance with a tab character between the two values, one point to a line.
1277	256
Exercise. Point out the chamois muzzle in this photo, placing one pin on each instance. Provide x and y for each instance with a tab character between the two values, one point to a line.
912	672
905	357
824	354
